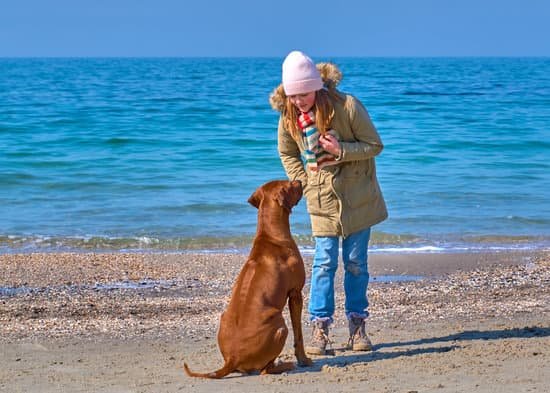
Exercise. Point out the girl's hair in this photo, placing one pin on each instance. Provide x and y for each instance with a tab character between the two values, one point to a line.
324	112
323	106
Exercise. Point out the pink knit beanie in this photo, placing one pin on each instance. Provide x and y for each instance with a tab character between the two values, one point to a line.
300	75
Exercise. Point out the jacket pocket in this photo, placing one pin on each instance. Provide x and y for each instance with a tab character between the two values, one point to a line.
359	189
321	200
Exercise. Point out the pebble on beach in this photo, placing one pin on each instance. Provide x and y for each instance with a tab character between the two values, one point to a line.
124	295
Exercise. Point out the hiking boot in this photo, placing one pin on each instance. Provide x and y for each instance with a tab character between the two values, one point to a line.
358	339
319	337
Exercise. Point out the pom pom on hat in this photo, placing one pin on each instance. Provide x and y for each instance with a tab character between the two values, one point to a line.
300	75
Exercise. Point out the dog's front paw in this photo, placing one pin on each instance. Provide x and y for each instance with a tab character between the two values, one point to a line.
305	362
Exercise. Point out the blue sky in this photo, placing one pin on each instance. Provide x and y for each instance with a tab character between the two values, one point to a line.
274	27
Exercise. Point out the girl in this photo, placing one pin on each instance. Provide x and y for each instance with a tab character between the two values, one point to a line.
334	135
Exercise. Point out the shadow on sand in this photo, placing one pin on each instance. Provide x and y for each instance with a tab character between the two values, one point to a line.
471	335
344	358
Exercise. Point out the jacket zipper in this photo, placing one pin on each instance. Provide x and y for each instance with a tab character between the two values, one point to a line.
339	201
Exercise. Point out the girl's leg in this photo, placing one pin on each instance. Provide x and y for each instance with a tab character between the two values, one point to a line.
325	263
356	276
356	280
321	299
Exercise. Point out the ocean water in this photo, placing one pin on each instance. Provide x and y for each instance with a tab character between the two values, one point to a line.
162	154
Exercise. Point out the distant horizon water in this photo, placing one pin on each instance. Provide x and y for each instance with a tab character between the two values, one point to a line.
161	154
318	58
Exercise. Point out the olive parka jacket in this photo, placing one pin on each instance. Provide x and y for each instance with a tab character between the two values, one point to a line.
343	198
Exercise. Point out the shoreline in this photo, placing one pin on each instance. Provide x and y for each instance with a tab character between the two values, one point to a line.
381	243
476	322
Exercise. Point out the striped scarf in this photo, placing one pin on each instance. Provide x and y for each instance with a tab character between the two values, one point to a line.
316	157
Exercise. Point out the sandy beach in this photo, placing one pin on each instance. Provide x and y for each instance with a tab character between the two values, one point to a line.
85	322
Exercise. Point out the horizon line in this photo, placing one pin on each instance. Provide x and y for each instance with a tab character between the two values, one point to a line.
275	57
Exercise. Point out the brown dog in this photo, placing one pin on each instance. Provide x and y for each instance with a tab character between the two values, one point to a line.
252	329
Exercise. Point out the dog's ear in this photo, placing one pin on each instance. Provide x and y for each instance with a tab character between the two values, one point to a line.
255	199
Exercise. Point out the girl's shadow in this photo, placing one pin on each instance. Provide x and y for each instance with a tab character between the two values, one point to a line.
343	357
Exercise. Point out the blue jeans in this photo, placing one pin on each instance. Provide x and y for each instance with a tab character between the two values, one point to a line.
356	276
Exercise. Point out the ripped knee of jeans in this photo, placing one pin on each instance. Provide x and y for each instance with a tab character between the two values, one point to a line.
355	268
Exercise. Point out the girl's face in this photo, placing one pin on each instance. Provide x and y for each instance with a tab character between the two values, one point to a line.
304	102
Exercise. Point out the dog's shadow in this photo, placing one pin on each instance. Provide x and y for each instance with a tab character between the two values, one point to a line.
343	357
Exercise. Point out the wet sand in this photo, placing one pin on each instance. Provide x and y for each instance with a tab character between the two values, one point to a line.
82	322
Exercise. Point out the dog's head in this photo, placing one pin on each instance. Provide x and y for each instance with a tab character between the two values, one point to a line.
284	193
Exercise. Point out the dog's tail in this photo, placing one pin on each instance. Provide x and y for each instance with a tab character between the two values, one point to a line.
222	372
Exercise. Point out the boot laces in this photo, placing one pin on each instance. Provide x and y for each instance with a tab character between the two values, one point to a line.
357	330
320	334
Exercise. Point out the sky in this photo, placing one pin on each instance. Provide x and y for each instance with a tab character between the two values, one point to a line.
234	28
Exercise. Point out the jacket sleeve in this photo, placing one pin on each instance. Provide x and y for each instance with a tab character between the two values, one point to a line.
367	142
290	155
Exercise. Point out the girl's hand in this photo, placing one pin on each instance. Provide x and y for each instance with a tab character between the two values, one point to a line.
329	143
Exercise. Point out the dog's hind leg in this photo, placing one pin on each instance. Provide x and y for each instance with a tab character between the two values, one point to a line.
282	367
279	339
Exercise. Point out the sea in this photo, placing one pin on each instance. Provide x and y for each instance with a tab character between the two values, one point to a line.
161	154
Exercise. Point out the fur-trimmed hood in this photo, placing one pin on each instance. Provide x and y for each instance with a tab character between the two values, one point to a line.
330	74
